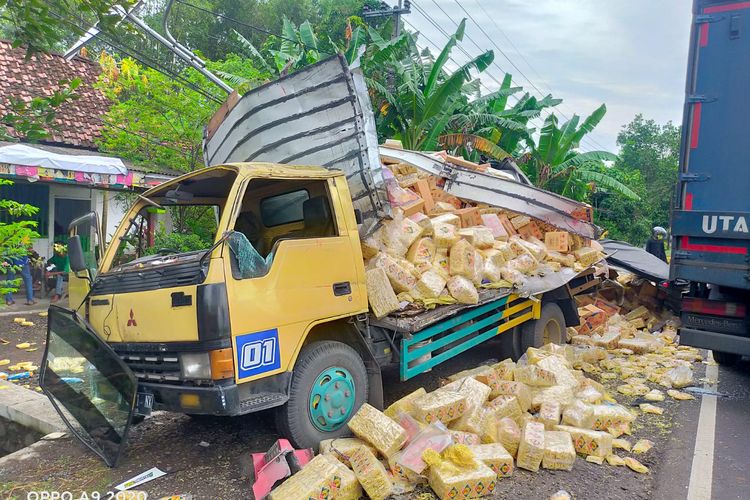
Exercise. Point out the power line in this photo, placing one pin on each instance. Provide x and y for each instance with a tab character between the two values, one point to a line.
508	58
129	51
541	94
487	73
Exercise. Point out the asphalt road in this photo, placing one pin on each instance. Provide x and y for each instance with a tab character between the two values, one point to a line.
203	457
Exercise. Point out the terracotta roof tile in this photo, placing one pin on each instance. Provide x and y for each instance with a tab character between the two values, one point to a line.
79	121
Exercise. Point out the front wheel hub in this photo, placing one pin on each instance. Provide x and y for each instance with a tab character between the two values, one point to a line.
332	399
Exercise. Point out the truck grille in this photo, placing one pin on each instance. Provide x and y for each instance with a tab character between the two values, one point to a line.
152	366
167	276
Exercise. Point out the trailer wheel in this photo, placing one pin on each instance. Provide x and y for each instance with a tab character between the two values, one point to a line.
549	328
329	384
726	358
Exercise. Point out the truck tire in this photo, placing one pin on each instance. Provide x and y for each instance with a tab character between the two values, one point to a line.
329	384
726	358
549	328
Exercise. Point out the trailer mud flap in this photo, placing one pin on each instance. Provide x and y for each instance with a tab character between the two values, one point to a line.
88	384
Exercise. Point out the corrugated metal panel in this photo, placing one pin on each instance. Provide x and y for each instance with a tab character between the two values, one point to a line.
320	115
516	196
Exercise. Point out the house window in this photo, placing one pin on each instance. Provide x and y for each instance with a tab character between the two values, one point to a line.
36	195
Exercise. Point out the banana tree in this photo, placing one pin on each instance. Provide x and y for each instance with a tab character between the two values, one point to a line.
425	94
297	48
554	163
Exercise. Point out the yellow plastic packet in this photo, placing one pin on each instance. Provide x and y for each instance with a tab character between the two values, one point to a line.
342	448
381	432
371	474
649	408
322	477
442	405
622	444
636	465
654	395
595	459
679	395
509	435
615	460
494	456
531	447
559	453
642	446
405	404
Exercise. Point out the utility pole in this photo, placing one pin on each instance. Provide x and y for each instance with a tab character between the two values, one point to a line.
384	10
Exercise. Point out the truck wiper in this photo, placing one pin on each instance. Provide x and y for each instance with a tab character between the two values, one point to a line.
213	247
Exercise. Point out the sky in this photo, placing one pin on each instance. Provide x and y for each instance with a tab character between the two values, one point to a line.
630	55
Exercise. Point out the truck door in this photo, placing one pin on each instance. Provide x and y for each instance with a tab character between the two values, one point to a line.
710	224
302	271
90	387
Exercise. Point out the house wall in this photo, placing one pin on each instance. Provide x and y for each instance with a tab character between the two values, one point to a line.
116	204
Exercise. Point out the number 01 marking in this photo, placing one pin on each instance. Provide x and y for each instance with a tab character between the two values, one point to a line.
258	354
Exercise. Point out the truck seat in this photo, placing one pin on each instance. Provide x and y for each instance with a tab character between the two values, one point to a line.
316	214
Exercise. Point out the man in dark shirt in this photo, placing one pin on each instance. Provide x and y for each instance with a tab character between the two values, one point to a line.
655	245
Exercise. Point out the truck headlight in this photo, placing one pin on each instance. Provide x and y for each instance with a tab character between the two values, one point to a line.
195	365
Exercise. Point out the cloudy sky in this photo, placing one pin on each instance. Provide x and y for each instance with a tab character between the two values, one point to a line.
630	55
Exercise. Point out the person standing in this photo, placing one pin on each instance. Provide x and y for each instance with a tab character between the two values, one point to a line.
60	260
655	244
25	266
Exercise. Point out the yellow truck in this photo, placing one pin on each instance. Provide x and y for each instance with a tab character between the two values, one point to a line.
272	313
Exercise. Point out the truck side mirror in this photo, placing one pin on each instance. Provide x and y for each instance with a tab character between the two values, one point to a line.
75	254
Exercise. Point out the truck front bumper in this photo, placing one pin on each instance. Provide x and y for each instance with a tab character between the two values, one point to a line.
214	400
715	341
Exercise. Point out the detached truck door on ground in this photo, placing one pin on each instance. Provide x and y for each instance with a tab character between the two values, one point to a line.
710	222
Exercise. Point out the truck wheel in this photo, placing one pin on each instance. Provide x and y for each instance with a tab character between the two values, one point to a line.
726	358
329	384
549	328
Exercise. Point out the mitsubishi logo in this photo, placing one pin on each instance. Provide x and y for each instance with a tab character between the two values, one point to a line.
131	321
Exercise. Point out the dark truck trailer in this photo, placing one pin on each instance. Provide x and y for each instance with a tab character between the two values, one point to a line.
712	210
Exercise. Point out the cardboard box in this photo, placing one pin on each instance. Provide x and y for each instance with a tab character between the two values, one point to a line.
591	318
422	188
531	230
507	225
492	221
413	207
469	217
440	195
559	453
557	241
608	308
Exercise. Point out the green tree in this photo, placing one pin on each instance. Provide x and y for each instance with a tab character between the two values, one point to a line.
426	95
36	23
554	163
156	119
649	155
489	117
16	234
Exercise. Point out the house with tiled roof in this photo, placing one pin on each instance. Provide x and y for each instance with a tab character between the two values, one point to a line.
64	175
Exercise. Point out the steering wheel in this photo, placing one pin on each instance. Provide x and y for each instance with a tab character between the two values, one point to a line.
167	251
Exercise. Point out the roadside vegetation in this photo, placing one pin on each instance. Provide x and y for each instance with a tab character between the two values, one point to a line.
425	99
